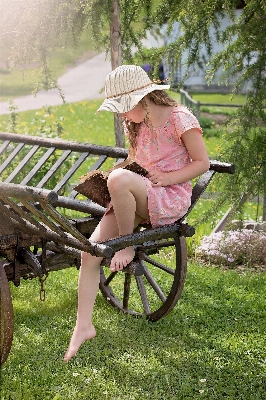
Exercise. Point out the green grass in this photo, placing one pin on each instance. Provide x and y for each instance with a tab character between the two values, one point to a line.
211	346
218	98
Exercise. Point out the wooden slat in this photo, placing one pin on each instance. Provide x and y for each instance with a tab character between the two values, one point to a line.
114	152
37	167
38	214
126	295
22	164
11	157
198	189
64	223
4	146
54	168
17	213
10	213
71	172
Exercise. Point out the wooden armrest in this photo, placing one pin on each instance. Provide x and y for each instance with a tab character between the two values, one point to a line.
222	167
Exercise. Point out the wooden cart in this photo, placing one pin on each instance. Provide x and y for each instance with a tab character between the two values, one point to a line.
45	225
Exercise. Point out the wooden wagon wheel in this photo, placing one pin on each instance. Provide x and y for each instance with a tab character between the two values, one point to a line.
6	314
154	293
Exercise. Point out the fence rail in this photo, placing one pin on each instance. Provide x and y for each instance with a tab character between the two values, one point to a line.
194	106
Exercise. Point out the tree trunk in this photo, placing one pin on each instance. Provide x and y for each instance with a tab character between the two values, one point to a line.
116	60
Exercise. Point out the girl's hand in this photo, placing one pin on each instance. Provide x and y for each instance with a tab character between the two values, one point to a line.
158	178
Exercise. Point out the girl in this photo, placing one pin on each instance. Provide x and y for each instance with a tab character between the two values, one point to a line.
166	139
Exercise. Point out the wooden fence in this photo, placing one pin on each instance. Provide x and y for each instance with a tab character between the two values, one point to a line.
194	106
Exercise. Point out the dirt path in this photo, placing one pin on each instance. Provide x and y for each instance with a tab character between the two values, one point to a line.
83	82
217	118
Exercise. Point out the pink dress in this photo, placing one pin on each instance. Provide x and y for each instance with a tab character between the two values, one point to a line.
164	150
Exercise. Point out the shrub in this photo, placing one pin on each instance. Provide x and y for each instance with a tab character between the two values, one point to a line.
206	123
232	248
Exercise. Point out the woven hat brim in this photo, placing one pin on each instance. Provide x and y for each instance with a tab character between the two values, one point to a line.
126	102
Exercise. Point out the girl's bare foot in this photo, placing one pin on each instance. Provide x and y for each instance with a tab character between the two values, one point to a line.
122	258
79	336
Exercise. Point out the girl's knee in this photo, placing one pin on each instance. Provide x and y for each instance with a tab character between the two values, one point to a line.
118	179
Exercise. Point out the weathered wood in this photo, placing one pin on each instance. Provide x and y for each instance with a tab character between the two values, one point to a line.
11	157
114	152
222	167
167	231
4	146
54	168
86	206
27	192
7	318
22	164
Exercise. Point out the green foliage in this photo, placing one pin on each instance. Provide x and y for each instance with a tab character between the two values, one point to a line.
206	123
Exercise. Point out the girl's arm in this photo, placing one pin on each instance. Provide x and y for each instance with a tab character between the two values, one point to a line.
200	162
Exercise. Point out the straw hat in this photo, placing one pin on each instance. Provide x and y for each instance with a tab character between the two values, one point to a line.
125	86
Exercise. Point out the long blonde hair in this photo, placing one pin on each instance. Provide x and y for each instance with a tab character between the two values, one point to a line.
158	97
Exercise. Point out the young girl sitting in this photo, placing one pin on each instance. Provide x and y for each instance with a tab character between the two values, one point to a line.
166	139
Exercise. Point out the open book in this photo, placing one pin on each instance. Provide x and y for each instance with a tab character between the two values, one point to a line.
94	184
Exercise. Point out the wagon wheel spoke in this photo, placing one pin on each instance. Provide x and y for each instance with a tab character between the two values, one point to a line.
126	290
154	285
155	293
158	264
143	295
110	278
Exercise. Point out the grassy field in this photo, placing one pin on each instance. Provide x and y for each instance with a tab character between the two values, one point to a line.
212	346
80	120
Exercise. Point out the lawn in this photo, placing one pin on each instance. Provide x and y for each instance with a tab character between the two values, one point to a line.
211	346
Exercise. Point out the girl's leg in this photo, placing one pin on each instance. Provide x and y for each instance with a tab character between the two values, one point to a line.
130	201
88	285
121	220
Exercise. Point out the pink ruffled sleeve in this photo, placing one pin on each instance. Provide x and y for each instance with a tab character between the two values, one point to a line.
184	120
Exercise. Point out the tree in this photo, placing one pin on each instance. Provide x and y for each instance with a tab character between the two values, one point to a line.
42	25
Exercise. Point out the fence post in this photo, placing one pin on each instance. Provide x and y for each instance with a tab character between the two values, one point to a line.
189	102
